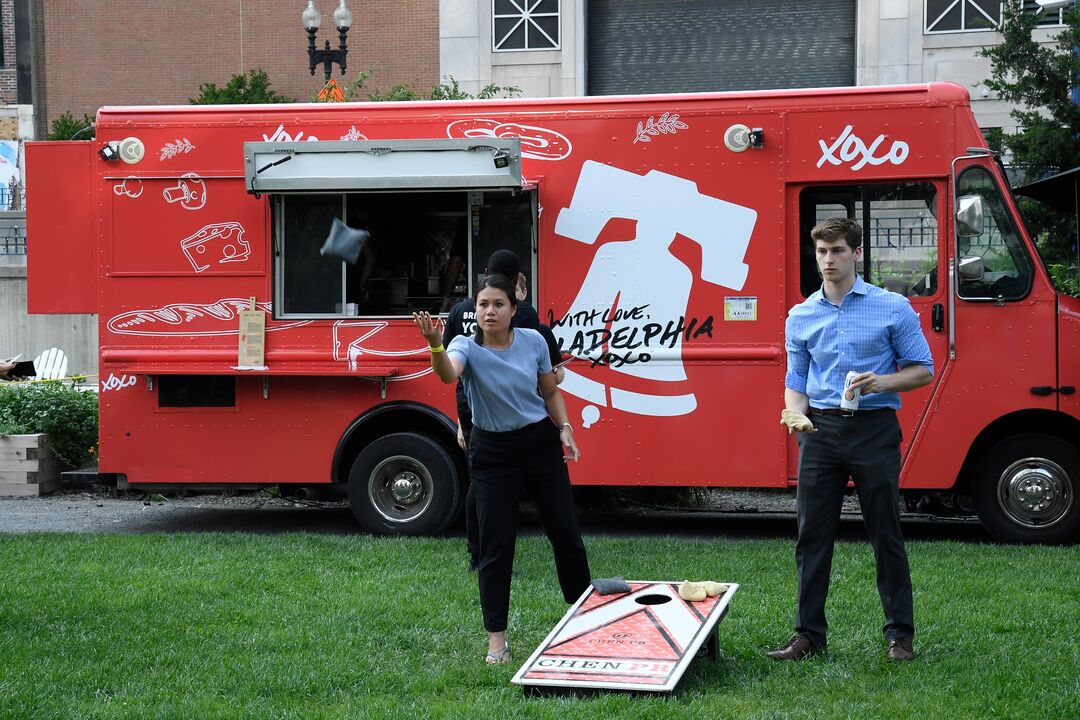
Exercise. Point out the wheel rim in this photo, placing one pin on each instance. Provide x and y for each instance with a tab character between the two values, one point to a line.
400	489
1035	493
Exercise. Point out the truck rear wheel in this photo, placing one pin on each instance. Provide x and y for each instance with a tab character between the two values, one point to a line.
1027	490
404	484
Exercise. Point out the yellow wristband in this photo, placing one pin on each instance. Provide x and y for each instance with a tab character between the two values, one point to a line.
437	349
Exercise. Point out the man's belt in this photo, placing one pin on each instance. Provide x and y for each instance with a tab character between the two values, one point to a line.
843	412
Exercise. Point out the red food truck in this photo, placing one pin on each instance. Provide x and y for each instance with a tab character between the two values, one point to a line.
665	238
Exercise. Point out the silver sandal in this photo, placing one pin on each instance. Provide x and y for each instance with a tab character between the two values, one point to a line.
498	657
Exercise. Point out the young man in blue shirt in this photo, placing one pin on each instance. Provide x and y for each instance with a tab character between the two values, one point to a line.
849	325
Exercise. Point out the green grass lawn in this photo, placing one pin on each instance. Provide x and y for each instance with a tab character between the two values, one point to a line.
304	626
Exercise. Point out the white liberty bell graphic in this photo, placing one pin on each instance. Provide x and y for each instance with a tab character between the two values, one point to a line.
643	273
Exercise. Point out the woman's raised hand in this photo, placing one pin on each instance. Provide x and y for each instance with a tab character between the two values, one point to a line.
427	328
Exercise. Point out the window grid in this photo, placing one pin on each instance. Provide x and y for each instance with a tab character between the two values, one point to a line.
535	37
971	12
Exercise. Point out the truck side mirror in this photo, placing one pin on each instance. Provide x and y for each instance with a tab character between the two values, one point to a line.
972	268
969	215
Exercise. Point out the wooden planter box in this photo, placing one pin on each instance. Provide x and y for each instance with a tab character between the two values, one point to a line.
27	466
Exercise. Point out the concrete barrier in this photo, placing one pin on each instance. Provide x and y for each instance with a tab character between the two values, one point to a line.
28	334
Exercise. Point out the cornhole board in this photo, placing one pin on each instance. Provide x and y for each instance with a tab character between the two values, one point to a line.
640	640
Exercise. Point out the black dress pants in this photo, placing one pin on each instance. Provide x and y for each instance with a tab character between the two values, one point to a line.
866	448
472	525
504	463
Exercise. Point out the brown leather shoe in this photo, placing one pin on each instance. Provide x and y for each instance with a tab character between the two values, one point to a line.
799	647
900	650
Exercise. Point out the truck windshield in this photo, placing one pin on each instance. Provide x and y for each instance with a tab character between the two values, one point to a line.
994	265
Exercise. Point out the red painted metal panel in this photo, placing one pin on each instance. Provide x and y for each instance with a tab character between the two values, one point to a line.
655	238
1069	354
61	228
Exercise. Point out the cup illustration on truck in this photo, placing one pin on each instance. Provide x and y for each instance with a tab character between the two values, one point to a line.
633	300
217	243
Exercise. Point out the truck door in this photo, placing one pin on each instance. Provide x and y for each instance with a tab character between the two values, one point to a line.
903	251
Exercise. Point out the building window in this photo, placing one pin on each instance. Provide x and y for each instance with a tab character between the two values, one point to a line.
1044	18
944	16
524	25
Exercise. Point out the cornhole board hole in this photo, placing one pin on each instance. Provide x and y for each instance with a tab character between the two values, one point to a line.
641	640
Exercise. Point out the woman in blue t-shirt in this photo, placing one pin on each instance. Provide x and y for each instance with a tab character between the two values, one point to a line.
514	444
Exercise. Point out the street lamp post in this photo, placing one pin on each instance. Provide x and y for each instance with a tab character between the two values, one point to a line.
311	19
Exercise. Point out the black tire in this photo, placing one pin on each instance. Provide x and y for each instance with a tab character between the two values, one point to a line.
1027	490
404	484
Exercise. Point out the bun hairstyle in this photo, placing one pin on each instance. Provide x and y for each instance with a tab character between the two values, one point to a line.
498	282
504	262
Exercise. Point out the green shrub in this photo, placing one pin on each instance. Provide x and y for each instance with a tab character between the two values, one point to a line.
251	89
67	127
68	415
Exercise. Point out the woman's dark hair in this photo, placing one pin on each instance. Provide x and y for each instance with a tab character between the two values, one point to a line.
497	282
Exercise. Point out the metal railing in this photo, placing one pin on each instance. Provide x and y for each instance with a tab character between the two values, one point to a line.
13	242
12	197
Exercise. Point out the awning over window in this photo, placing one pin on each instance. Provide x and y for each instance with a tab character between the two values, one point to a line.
282	167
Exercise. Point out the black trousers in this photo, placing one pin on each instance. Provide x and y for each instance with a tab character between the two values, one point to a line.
865	448
504	463
472	524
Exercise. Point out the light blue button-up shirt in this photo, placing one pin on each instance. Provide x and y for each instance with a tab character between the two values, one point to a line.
872	330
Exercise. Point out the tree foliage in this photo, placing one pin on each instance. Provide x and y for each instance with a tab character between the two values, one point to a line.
358	90
1039	78
251	89
67	127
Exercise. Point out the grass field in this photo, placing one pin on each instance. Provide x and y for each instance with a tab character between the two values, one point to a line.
304	626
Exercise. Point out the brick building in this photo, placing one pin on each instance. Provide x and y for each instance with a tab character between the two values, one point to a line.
8	81
132	52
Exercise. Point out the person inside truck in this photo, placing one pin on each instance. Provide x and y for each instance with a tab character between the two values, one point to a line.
514	445
462	321
849	325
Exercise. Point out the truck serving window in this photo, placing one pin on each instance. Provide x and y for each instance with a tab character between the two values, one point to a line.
900	233
993	265
425	252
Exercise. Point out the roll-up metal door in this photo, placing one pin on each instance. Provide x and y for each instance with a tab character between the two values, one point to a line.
648	46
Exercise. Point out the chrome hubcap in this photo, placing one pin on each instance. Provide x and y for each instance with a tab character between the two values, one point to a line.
407	487
400	489
1035	493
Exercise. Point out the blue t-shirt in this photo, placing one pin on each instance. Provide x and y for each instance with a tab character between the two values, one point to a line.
501	384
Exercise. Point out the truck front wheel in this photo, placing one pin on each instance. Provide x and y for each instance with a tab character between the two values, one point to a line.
1027	490
404	484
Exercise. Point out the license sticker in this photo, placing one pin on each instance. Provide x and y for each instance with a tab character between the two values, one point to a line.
740	309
